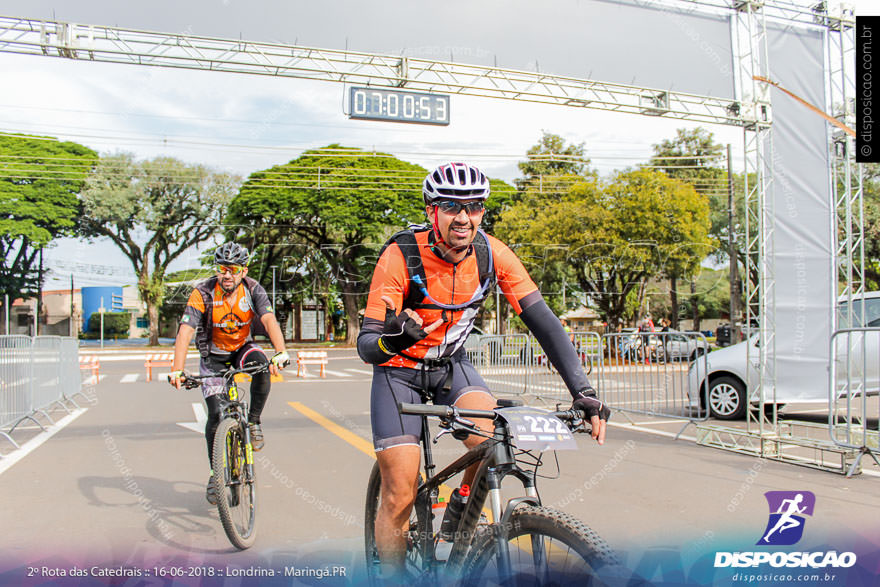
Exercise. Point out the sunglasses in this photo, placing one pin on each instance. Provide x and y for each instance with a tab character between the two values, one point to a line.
453	207
231	269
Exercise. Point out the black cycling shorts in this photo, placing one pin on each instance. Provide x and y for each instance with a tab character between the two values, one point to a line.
247	354
402	384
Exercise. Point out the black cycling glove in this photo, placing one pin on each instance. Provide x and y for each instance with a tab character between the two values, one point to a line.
587	401
399	333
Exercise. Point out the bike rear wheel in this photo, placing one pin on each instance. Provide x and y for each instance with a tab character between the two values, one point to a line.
236	488
546	547
415	568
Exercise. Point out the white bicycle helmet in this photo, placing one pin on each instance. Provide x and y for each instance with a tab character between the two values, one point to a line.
455	181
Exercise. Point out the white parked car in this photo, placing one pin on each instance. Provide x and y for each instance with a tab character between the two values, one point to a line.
687	346
730	368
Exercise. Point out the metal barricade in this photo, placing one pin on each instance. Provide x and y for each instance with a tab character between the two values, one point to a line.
472	348
854	396
71	378
500	361
545	382
34	374
46	357
16	367
516	363
656	374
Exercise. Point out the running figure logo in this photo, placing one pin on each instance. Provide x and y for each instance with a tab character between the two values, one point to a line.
787	509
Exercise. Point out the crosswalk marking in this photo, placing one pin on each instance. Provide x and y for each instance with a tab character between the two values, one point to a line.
129	378
350	374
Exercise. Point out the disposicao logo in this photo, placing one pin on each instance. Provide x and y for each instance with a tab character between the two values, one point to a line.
787	510
784	528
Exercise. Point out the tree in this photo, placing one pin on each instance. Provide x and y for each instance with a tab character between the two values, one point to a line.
40	179
551	167
301	274
694	157
614	235
501	197
116	324
337	202
872	243
710	298
871	199
154	211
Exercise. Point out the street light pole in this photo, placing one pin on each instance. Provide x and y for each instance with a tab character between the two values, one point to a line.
101	309
72	324
497	310
273	286
731	252
39	296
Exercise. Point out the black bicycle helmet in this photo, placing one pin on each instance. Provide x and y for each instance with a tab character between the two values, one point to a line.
231	254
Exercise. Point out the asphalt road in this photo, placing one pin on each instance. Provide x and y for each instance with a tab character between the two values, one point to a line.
122	486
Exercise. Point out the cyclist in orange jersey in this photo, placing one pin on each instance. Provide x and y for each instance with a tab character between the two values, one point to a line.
223	313
427	288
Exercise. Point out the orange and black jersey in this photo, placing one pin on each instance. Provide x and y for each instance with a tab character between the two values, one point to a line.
231	316
448	283
457	283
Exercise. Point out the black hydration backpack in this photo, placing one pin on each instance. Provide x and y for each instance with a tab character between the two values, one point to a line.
418	293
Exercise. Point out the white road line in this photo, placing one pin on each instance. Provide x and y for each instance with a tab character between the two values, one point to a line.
132	357
302	375
651	431
658	422
336	373
129	378
360	371
201	418
319	380
37	440
90	380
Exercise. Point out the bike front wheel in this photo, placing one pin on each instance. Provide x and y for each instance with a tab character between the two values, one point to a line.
544	547
234	481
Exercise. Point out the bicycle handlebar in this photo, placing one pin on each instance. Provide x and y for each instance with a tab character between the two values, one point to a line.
192	381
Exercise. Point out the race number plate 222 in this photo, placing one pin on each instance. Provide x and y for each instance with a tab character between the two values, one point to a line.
537	429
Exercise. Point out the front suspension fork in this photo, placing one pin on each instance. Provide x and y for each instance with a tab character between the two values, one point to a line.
502	517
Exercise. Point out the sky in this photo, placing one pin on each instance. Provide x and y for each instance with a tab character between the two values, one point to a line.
241	124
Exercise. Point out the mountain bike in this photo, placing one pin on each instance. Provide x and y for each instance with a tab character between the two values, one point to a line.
233	459
526	541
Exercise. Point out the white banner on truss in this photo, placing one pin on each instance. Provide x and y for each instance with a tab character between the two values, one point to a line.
801	252
637	42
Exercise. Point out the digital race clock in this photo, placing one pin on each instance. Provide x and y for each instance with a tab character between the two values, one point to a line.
398	106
